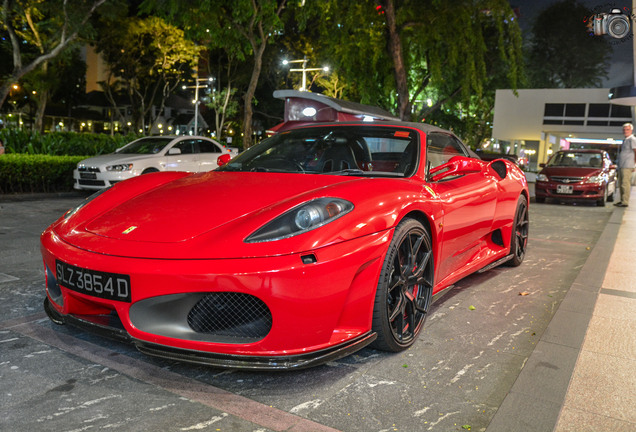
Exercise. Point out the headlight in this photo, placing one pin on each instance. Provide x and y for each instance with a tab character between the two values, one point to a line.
88	199
120	167
302	218
542	177
594	179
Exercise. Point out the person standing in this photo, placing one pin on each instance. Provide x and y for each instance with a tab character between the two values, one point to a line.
626	163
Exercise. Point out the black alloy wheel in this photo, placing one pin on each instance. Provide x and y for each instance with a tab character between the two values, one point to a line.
519	238
405	289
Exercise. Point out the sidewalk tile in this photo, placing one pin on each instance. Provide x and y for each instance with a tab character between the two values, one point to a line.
604	385
573	420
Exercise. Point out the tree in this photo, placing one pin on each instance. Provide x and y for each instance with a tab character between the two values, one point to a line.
54	25
395	50
149	58
562	53
244	27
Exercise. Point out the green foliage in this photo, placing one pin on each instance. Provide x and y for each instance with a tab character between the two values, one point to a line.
61	143
149	57
20	173
561	53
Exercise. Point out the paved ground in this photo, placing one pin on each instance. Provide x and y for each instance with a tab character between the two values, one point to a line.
456	376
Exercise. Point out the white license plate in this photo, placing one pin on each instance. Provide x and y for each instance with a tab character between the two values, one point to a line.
565	189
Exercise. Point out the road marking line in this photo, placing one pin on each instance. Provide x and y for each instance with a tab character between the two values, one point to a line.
214	397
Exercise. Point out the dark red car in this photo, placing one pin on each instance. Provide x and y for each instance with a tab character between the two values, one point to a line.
577	175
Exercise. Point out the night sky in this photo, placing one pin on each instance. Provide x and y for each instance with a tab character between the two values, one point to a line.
621	63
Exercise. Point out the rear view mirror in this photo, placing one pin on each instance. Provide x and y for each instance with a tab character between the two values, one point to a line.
223	159
456	166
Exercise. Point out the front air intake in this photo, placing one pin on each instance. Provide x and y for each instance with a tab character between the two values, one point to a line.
231	314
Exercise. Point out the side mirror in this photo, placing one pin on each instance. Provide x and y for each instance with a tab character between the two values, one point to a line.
542	165
613	166
174	151
223	159
456	166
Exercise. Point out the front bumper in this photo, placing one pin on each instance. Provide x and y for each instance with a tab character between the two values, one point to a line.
320	311
580	191
229	361
99	180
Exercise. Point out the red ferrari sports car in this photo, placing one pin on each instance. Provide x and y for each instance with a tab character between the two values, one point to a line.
303	249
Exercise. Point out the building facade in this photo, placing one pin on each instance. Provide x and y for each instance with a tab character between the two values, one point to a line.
537	122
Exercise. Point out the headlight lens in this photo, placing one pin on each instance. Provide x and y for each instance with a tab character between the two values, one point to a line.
120	167
594	179
542	177
88	199
300	219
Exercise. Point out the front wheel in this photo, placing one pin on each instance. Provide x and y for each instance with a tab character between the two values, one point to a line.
405	288
601	202
519	236
149	170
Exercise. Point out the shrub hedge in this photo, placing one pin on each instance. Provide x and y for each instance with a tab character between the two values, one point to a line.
20	173
35	162
61	143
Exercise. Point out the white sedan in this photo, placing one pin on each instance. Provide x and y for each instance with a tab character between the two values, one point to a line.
149	154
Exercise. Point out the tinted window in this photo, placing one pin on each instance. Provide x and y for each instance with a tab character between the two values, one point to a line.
599	110
208	147
186	147
342	150
440	148
575	110
553	110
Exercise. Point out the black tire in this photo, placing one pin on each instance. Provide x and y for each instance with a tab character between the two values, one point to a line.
610	197
149	170
519	237
539	200
405	288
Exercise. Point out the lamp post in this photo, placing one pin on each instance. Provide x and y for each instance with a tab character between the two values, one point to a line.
304	69
196	101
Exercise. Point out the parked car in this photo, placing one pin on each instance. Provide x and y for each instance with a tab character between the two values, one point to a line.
577	175
149	154
303	249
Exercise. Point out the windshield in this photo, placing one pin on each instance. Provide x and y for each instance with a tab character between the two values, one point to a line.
341	150
577	159
150	145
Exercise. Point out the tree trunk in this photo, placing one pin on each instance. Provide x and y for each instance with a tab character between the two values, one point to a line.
395	50
249	94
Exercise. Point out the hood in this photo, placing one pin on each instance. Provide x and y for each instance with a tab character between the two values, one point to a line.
112	159
193	205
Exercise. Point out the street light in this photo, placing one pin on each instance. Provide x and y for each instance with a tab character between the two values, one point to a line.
304	69
196	101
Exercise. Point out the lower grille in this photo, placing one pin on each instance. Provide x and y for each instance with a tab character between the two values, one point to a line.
231	314
92	182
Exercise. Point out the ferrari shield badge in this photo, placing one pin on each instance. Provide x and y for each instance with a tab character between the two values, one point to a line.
129	230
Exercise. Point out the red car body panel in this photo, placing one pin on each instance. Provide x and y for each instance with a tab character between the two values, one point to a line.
176	233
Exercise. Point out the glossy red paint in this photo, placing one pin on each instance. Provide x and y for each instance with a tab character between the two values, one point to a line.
189	237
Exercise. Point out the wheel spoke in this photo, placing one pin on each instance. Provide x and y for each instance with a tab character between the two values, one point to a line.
398	308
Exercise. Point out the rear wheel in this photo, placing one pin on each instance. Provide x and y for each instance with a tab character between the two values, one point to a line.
519	237
405	288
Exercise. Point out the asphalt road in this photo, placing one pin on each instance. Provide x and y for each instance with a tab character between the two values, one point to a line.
56	378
